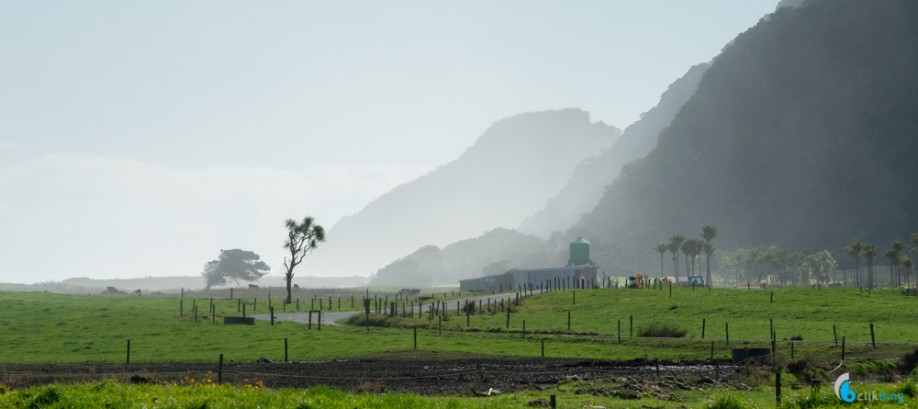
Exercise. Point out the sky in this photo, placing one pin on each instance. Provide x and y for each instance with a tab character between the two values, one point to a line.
141	138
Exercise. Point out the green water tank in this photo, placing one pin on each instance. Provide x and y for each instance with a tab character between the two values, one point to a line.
580	252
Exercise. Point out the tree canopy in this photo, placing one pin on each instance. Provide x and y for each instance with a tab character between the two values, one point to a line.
234	265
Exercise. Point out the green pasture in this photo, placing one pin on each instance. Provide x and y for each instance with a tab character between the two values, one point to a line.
49	328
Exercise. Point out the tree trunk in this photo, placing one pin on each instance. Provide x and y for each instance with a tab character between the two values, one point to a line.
289	277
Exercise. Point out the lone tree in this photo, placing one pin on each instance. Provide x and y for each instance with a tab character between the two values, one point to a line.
301	238
235	265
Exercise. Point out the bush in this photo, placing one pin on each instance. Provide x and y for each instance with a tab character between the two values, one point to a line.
908	389
909	361
726	402
662	330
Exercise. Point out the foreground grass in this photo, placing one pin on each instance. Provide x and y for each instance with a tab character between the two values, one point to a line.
577	394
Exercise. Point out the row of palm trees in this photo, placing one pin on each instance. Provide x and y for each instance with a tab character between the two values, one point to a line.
691	249
894	254
776	265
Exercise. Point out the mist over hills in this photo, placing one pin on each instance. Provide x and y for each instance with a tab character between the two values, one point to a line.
802	133
492	253
507	174
585	187
534	245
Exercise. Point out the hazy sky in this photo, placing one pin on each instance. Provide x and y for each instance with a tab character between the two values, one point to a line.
140	138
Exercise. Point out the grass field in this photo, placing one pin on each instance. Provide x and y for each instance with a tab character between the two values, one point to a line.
48	328
576	394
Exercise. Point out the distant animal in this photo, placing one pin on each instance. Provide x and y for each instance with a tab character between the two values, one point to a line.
253	286
296	287
409	291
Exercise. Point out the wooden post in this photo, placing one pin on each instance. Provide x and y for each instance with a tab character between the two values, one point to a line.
568	321
320	320
285	351
415	337
574	293
670	289
835	334
771	299
243	310
873	339
439	325
468	319
619	331
220	370
703	323
843	348
543	347
231	293
778	386
727	331
128	360
630	326
181	307
271	312
553	402
712	350
508	318
792	350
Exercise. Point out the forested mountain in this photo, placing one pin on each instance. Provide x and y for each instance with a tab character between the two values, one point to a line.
802	133
492	253
585	187
509	173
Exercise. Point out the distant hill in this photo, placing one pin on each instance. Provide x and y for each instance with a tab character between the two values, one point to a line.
509	173
492	253
802	133
83	285
585	187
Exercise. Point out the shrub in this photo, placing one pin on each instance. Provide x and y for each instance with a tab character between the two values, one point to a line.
726	402
662	330
909	361
908	389
815	399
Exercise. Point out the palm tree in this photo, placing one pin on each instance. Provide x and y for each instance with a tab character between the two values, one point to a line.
301	238
869	253
674	243
686	248
708	233
708	250
661	248
907	263
855	250
898	246
893	258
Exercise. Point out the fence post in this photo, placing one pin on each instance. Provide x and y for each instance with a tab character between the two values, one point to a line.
271	312
835	334
630	326
128	351
568	322
873	339
553	401
543	347
415	337
285	351
703	323
508	318
727	331
843	348
619	331
220	370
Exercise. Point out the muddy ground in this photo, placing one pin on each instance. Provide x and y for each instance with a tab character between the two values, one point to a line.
464	377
